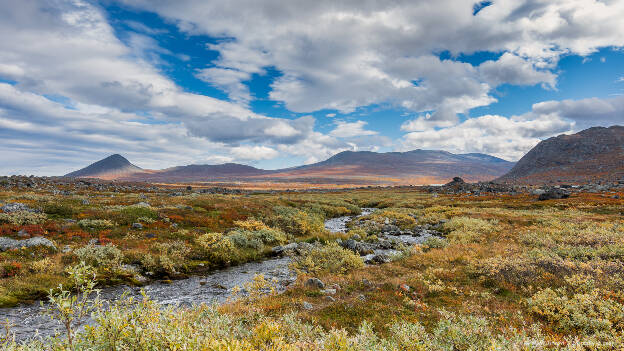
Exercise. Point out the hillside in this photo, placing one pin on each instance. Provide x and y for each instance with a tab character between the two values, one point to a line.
112	167
590	155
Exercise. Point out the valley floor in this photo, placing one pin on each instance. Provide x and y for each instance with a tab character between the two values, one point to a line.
500	272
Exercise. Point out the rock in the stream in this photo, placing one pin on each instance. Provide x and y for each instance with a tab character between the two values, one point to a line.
357	246
137	226
280	250
307	306
9	244
391	229
379	259
314	283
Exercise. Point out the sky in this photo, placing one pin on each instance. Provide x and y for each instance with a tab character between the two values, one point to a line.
273	83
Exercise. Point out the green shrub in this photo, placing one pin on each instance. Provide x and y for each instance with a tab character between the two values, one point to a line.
59	210
329	258
296	222
434	242
256	239
106	257
131	214
166	258
216	248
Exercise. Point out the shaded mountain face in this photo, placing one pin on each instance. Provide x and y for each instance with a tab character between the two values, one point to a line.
112	167
362	167
590	155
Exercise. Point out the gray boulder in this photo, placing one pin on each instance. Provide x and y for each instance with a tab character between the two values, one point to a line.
9	244
554	194
357	247
281	250
379	259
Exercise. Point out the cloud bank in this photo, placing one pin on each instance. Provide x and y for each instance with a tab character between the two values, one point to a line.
72	91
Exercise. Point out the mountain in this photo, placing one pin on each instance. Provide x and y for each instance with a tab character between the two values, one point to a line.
112	167
348	167
411	167
593	154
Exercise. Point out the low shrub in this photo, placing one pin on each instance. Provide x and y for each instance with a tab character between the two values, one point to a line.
465	230
330	258
166	258
145	325
59	210
10	269
251	224
95	224
585	312
256	239
107	257
216	248
131	214
296	222
434	242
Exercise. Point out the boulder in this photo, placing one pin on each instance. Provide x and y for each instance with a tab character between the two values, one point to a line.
554	194
314	283
281	250
357	247
9	244
379	259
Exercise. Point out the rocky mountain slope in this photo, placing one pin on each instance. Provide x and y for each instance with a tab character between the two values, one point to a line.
590	155
112	167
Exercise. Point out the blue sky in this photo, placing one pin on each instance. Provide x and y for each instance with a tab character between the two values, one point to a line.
275	85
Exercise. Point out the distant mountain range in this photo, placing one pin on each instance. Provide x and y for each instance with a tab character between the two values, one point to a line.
348	167
590	155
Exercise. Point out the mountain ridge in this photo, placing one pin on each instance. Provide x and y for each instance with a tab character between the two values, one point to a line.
423	166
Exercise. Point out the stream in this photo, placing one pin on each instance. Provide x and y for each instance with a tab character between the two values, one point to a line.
28	322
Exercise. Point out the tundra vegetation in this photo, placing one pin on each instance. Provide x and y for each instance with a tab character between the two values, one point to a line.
507	273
